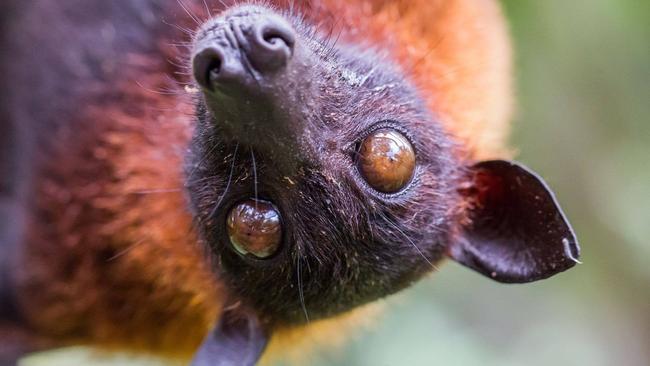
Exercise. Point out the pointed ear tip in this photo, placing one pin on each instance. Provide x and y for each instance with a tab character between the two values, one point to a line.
571	246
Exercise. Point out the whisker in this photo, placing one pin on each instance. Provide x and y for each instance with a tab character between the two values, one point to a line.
207	156
426	55
292	6
155	191
187	11
187	31
232	169
207	8
332	47
393	225
254	175
160	91
301	293
125	251
368	215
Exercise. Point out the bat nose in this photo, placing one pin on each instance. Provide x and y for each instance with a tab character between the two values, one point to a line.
242	49
255	73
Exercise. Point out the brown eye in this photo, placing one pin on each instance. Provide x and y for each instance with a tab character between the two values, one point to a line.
387	160
254	228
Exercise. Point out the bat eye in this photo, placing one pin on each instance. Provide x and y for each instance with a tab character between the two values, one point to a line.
254	228
386	160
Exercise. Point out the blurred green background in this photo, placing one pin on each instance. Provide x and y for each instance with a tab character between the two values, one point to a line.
583	123
583	73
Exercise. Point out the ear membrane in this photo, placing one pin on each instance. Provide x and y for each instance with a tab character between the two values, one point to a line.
513	230
238	340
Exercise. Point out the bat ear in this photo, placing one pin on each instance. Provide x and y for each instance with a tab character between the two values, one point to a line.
238	340
513	229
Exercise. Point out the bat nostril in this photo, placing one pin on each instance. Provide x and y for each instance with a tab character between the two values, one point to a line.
276	37
271	44
243	52
207	66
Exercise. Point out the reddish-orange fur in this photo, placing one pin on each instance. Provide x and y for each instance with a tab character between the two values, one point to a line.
113	258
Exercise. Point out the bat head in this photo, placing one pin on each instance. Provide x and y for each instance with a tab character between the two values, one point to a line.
320	181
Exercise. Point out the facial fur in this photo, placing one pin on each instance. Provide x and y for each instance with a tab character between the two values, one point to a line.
344	244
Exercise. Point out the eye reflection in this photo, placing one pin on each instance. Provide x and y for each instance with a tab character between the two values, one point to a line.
254	228
387	160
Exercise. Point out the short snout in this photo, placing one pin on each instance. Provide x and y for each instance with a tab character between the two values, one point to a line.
242	49
257	78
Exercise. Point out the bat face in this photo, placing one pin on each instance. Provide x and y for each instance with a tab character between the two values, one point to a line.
318	178
320	182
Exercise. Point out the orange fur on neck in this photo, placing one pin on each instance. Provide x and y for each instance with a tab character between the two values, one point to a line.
117	261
